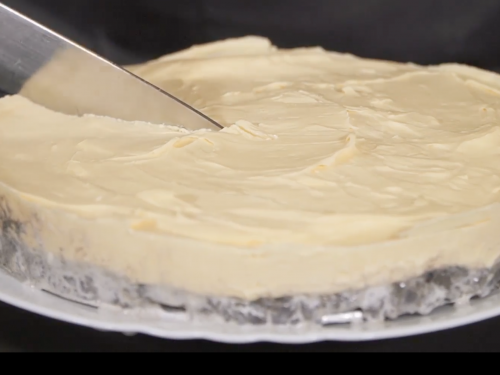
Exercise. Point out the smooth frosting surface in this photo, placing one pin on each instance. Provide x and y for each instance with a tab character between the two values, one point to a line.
333	172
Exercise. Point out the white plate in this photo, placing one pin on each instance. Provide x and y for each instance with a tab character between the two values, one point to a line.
14	293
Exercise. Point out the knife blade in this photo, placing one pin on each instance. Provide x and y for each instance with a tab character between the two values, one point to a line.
53	71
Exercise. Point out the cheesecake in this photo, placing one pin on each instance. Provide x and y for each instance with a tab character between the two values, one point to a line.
338	184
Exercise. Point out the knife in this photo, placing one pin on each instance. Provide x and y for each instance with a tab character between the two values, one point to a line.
54	72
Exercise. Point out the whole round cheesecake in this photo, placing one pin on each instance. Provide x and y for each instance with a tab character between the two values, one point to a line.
333	174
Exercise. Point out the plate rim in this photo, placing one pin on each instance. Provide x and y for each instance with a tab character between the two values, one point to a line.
24	297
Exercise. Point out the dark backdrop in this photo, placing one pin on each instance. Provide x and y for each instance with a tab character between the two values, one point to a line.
421	31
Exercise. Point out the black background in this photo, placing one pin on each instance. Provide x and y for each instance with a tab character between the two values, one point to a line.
131	31
423	31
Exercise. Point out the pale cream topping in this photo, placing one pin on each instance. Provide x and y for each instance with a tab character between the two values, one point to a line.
333	172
